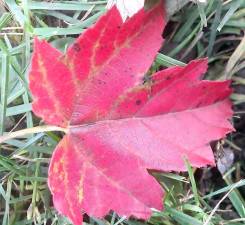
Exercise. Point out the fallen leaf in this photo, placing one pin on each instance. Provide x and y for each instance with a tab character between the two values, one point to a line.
225	160
125	7
119	126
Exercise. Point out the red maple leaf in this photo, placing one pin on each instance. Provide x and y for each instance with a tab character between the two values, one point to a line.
118	126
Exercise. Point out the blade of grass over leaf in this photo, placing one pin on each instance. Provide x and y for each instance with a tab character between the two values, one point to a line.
32	130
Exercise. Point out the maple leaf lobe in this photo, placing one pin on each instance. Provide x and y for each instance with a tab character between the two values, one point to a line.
48	102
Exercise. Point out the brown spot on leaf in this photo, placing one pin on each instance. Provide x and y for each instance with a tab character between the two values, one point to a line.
217	100
76	47
101	82
138	102
199	104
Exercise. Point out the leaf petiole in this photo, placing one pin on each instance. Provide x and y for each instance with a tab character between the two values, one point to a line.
32	130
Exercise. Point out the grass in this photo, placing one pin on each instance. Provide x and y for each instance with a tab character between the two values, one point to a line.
213	30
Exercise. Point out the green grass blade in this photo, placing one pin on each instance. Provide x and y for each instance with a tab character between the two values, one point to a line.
214	27
168	61
184	42
4	90
236	199
233	7
19	109
185	29
181	217
202	14
7	208
16	11
5	18
193	182
225	189
72	5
